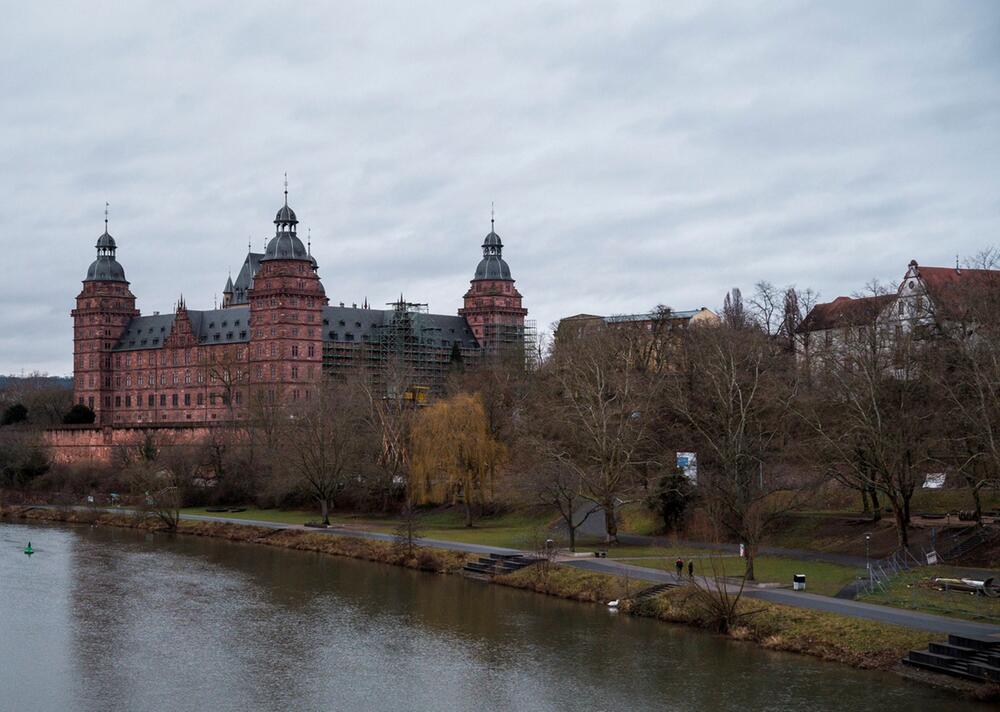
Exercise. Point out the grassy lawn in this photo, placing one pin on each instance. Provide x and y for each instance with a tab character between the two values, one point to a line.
906	591
285	516
518	530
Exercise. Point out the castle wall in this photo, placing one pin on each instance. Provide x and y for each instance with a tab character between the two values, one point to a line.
101	445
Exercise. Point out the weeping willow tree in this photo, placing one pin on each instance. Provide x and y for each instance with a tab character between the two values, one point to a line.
454	457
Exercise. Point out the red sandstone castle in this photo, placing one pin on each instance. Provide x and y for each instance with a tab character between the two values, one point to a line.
275	337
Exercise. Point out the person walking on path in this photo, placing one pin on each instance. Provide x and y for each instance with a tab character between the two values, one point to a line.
680	567
691	568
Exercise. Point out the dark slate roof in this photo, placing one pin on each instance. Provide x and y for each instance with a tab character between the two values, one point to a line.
229	326
244	280
285	246
492	267
145	332
285	215
221	326
105	269
350	324
212	326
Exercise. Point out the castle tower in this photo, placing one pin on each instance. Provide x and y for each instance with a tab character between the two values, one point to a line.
492	306
103	309
286	316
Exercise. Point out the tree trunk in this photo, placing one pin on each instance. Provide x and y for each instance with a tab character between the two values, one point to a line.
572	535
864	501
468	512
324	506
749	575
977	502
902	527
876	505
610	525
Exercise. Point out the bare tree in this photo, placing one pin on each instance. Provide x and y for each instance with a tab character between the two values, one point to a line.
765	307
601	416
733	403
318	449
873	416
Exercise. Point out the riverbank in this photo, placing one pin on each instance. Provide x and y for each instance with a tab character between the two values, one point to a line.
858	643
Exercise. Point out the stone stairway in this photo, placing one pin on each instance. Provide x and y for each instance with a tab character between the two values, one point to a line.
495	564
647	593
972	658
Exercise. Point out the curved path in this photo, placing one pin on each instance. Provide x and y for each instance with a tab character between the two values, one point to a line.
856	609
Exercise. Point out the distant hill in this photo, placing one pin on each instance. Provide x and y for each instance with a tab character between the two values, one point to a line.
37	380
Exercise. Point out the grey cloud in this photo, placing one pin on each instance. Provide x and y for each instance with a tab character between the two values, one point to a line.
638	152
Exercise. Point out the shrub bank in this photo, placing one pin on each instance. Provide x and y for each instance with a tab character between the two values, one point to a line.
433	560
859	643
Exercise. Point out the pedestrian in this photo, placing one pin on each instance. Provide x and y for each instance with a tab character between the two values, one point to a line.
680	566
691	568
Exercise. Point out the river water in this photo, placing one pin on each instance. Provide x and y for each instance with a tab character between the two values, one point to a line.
114	619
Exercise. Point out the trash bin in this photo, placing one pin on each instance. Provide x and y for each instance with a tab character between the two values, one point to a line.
799	582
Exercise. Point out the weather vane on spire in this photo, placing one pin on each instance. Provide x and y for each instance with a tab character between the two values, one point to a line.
309	241
106	206
286	189
492	216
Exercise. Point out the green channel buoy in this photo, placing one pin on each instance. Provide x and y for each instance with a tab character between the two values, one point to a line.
28	550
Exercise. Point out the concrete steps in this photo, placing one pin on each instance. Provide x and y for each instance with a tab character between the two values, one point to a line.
495	564
971	658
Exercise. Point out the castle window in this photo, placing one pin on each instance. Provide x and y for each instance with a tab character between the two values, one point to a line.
225	324
151	400
349	336
187	399
312	350
118	400
357	324
333	335
295	373
243	335
201	399
163	400
229	336
211	325
128	401
326	322
342	323
217	337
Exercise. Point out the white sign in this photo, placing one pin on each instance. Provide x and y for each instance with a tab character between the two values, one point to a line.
934	480
687	462
931	557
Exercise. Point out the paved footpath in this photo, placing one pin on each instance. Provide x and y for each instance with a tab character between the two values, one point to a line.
856	609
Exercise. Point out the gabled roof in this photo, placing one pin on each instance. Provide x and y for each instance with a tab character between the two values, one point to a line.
955	290
845	311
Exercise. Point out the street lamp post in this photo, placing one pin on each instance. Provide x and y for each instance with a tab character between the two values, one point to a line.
868	565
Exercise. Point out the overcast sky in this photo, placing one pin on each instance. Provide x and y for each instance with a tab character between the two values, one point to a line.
638	153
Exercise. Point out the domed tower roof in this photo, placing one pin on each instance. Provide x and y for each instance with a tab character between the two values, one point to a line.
285	245
492	266
105	268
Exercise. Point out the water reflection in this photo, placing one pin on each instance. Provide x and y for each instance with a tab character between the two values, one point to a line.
127	621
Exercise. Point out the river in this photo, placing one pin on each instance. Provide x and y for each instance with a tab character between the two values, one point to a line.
115	619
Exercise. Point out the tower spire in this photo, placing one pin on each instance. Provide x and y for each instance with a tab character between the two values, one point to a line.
286	189
309	242
106	206
492	216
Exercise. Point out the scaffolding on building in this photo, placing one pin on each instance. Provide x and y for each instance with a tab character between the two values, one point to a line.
406	353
